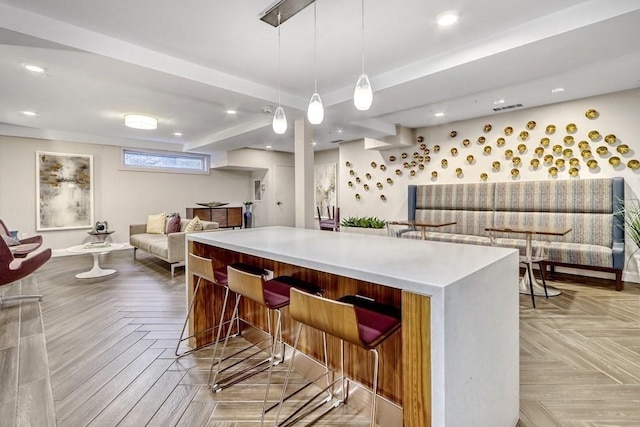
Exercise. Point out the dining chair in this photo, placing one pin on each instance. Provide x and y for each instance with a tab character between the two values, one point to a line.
332	222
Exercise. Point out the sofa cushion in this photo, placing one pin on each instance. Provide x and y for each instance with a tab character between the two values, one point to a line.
155	223
194	225
173	224
144	241
159	248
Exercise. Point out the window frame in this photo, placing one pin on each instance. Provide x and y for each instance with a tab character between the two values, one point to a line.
164	153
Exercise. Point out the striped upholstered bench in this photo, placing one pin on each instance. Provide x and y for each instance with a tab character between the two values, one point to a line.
590	208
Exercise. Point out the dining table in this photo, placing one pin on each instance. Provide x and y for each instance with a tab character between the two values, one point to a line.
423	225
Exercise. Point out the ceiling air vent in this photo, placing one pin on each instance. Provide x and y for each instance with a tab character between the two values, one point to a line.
335	141
508	107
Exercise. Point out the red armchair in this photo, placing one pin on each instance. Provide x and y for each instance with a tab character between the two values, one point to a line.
12	269
25	246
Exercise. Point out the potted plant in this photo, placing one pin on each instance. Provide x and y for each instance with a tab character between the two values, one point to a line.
248	214
632	226
364	225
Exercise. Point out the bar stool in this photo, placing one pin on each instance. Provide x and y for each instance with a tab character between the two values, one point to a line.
351	318
272	295
203	268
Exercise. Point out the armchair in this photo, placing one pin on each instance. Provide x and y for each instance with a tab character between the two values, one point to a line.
24	246
12	269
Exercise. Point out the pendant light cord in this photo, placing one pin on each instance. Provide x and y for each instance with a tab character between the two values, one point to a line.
315	46
362	36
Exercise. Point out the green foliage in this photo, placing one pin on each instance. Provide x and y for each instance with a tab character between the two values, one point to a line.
632	220
363	222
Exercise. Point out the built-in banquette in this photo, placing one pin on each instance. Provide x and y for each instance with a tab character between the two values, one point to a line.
591	208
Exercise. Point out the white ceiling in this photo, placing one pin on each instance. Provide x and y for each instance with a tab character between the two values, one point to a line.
187	62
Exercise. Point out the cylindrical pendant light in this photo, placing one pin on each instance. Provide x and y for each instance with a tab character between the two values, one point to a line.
315	112
363	94
279	122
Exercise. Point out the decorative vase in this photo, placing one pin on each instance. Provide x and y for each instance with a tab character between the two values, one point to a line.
248	216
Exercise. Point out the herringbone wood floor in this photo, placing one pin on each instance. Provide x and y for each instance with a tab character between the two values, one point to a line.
110	341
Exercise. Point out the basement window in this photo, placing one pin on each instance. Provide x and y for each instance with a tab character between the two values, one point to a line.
164	161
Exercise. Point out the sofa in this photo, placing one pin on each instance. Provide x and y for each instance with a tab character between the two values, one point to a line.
168	247
592	208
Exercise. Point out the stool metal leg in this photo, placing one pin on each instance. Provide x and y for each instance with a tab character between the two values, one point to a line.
215	347
186	321
533	298
543	273
374	396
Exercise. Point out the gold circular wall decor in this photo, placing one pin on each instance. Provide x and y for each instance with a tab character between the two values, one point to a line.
560	163
633	164
436	148
567	152
482	140
426	151
515	172
484	176
454	151
548	159
551	129
487	149
398	172
585	154
444	163
383	168
427	159
366	187
524	135
423	147
568	140
516	161
416	155
553	171
352	172
583	145
383	198
421	166
591	114
572	128
413	163
374	165
495	165
392	158
602	150
500	142
522	148
389	181
574	161
348	164
574	171
594	135
535	163
403	155
350	184
379	185
453	134
358	180
420	159
434	174
508	130
470	158
508	154
368	175
592	164
539	151
557	149
357	196
545	142
622	148
421	139
531	125
459	172
487	128
614	161
406	165
610	139
466	142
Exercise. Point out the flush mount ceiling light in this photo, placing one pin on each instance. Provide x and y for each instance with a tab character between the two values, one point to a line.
363	94
439	114
231	112
140	121
557	90
34	68
447	18
29	113
177	133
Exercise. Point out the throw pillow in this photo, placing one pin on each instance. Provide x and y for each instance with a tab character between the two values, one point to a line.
194	225
173	224
10	241
155	223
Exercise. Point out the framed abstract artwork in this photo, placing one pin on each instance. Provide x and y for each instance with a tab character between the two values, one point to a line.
325	186
64	191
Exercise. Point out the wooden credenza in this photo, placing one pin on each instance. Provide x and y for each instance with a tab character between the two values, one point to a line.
226	217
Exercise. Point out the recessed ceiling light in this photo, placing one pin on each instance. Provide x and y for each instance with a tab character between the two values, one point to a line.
34	68
498	102
439	114
314	143
29	113
557	90
268	146
140	121
177	133
340	131
447	18
231	112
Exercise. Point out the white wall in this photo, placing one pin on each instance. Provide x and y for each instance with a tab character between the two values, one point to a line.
619	113
121	197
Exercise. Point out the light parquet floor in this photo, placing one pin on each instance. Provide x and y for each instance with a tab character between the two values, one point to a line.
110	342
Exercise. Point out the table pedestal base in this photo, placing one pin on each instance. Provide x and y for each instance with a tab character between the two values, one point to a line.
538	289
96	271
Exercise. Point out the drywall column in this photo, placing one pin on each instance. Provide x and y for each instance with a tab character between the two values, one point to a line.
304	173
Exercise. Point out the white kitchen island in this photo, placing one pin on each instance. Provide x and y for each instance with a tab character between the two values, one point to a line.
459	342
